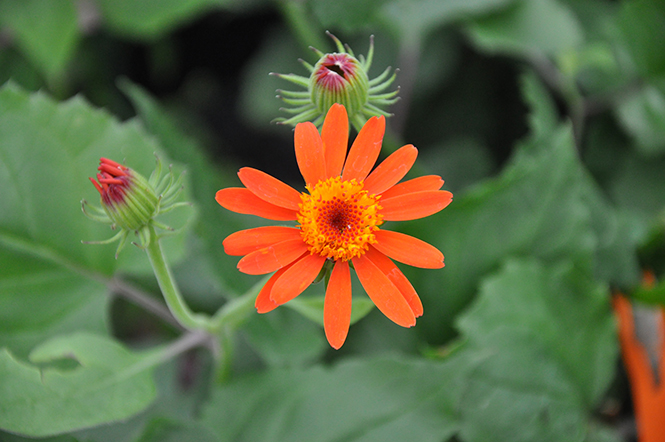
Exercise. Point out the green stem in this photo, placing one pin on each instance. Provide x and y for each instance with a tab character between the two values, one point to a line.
174	299
296	15
224	356
169	351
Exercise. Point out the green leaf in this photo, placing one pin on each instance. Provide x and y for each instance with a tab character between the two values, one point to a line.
177	404
543	115
543	27
346	15
165	430
414	19
284	338
650	295
544	342
46	31
642	24
39	299
616	238
110	384
643	116
9	437
150	19
356	400
15	67
312	308
637	187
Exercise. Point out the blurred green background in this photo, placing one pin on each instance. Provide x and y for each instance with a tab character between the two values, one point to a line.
546	119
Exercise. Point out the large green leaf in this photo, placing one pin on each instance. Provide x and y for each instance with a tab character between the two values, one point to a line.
50	282
543	339
110	384
356	400
528	27
45	30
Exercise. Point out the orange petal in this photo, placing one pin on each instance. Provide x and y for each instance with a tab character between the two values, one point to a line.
396	276
635	356
391	170
365	150
337	305
241	200
414	205
271	258
246	241
427	182
408	250
296	279
335	136
263	302
309	153
648	399
269	188
383	292
661	331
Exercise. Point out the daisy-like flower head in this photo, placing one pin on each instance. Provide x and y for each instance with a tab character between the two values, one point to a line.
338	77
131	202
339	222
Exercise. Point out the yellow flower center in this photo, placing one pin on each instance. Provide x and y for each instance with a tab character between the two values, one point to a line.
338	218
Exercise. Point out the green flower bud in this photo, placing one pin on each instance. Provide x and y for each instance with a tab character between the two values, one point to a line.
339	77
131	202
126	196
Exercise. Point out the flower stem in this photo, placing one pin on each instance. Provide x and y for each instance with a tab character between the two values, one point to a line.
174	299
169	351
294	12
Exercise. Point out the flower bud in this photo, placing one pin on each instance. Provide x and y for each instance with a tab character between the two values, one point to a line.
339	77
130	202
126	196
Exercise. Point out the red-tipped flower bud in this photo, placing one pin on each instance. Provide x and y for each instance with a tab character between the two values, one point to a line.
126	196
130	202
339	77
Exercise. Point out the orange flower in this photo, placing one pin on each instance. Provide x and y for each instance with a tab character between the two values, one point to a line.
648	394
338	222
